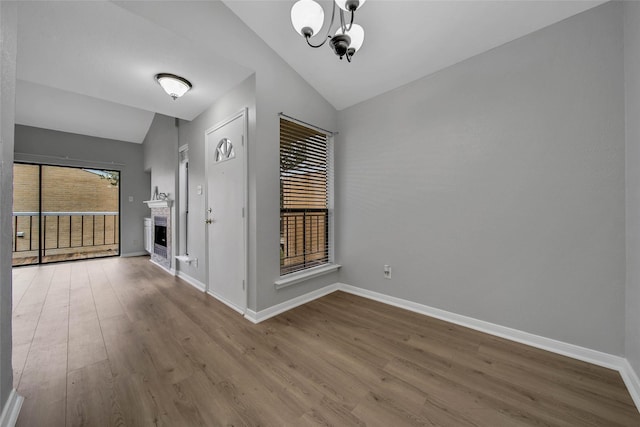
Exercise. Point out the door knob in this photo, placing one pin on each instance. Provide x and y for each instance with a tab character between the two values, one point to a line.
208	221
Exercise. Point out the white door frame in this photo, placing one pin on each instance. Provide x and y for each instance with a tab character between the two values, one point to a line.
245	179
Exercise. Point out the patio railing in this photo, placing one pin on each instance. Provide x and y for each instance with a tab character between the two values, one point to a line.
57	233
303	239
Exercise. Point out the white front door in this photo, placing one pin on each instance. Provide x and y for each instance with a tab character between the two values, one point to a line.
225	216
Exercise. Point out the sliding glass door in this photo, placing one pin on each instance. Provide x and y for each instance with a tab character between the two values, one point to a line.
64	213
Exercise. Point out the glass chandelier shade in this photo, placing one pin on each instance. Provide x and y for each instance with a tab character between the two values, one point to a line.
356	34
349	5
175	86
307	17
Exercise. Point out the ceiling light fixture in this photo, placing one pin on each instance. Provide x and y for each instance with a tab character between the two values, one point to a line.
307	18
175	86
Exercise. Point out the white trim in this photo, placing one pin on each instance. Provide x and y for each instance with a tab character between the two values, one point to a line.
331	193
309	273
262	315
632	381
185	258
154	204
171	271
190	280
574	351
132	254
226	302
11	409
245	208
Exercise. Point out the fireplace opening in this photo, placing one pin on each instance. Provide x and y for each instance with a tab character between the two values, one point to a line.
160	236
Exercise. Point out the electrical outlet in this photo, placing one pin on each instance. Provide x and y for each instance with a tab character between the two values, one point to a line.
387	272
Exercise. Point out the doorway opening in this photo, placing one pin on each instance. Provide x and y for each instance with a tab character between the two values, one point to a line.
64	213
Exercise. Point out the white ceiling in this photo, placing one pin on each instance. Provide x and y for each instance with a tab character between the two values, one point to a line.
404	40
87	67
100	60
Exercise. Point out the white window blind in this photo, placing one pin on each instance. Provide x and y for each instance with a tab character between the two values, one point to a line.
304	215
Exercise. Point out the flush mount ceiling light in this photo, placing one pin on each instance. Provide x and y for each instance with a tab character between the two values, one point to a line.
307	18
175	86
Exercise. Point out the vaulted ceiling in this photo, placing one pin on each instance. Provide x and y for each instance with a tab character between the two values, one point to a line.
88	67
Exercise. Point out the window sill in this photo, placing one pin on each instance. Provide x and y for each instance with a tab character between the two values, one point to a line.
293	278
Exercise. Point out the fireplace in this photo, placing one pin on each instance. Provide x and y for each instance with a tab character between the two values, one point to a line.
160	236
161	215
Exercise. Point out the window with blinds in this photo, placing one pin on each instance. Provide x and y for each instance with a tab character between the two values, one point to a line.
304	191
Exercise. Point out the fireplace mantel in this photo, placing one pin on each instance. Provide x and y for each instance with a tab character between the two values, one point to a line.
162	250
154	204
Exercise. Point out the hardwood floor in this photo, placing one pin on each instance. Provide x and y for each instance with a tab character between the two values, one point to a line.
118	342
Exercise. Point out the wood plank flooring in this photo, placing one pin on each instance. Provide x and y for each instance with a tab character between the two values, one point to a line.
118	342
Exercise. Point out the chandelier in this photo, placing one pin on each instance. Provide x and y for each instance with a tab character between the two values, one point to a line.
307	18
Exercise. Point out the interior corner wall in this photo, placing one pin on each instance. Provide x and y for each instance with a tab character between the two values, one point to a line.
160	147
632	98
8	45
193	134
495	188
36	145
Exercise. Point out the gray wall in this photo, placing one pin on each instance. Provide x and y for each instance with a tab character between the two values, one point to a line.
632	92
8	34
160	148
495	188
64	149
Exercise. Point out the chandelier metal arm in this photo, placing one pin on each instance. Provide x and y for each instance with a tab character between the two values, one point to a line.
342	24
328	37
317	45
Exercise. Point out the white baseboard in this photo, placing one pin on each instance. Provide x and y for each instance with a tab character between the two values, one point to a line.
226	302
132	254
190	280
632	382
262	315
11	409
171	271
574	351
